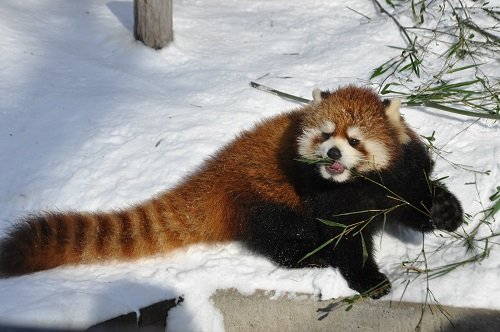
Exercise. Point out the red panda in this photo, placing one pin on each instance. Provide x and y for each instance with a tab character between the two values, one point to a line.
257	191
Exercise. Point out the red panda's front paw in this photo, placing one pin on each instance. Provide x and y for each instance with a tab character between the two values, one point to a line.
446	211
373	285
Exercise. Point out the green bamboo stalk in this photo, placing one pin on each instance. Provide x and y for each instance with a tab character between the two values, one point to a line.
278	93
435	105
453	110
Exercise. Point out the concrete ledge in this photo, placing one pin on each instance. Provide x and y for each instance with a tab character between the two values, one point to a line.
259	312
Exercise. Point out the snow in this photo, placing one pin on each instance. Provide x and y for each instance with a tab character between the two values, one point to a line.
91	119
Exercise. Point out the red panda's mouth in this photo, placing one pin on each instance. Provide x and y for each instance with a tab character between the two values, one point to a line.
335	168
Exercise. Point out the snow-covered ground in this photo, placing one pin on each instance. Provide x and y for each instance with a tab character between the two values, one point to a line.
91	119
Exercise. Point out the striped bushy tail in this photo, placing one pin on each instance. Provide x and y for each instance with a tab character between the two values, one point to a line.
52	239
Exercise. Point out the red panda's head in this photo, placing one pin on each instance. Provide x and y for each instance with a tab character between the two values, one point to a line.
354	129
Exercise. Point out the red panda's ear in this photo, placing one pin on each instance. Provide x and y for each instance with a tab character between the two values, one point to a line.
392	113
392	107
319	95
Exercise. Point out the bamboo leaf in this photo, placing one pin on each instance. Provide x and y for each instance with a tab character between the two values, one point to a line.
378	71
422	11
365	251
496	195
389	2
406	49
316	250
455	110
406	67
332	223
454	85
413	10
496	205
386	89
356	212
451	71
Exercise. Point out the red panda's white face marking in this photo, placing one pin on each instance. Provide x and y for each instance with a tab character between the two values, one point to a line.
328	127
344	155
351	153
350	127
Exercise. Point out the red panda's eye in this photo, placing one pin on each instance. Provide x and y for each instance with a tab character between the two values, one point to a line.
353	141
326	136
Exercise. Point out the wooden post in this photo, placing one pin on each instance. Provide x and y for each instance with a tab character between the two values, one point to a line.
153	22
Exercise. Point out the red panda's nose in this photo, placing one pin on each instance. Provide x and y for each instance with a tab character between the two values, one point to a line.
334	153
